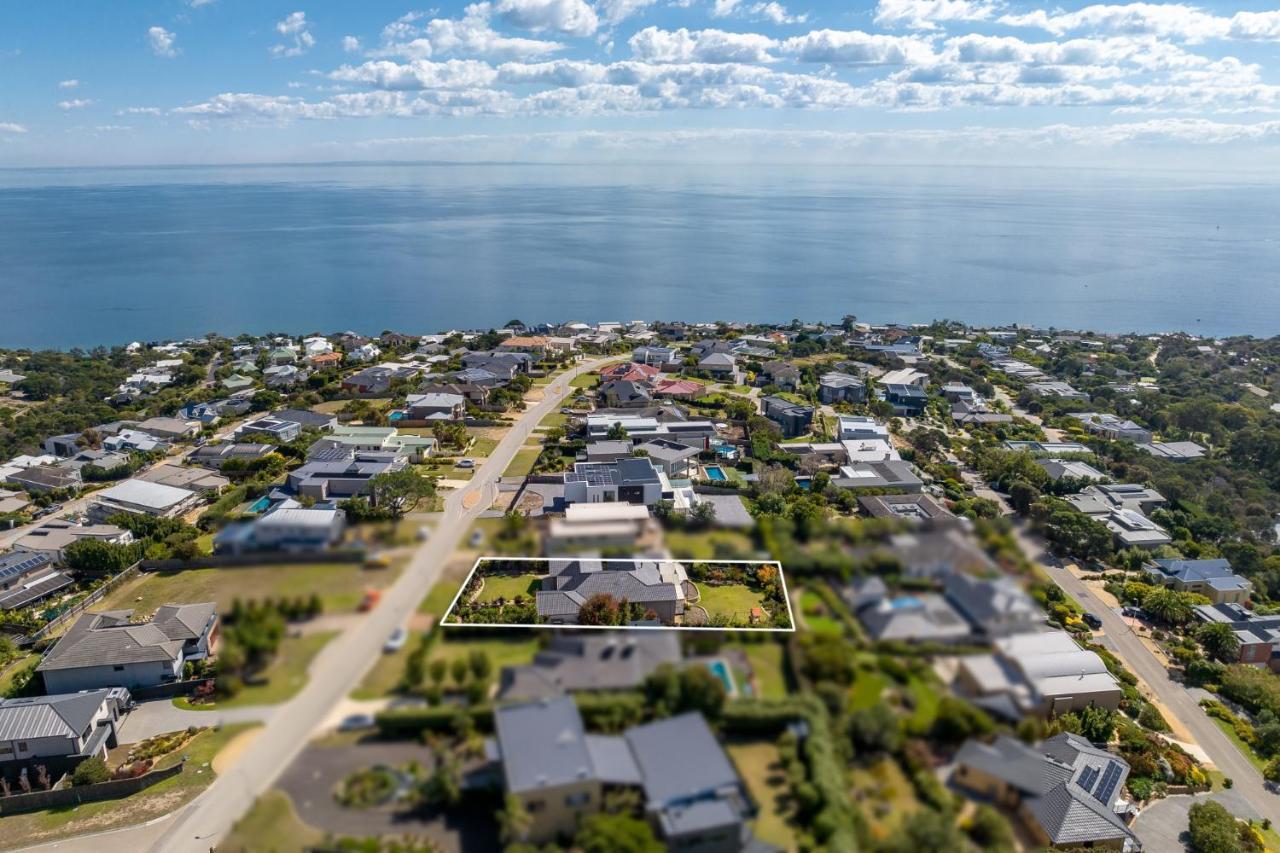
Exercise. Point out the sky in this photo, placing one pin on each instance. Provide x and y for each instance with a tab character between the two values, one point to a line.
809	81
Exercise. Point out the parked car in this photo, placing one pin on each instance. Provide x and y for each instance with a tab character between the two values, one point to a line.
1133	612
396	641
356	722
465	463
1092	621
476	538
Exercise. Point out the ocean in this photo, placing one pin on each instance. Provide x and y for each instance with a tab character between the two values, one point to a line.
107	256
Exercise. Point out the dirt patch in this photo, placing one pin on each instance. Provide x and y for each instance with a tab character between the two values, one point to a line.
229	754
470	499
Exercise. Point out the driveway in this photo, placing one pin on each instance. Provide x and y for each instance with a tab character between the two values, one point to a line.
1161	825
160	717
311	780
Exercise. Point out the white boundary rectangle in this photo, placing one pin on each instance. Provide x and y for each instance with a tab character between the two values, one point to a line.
786	595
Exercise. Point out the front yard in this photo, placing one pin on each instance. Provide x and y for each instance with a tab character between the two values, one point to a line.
522	462
272	824
284	676
340	586
156	801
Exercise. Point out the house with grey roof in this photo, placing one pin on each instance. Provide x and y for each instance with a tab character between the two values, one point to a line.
995	606
925	617
1065	791
216	455
27	578
892	475
342	473
661	586
692	793
139	497
838	387
633	479
1102	499
1214	579
59	731
793	418
678	461
1070	469
612	660
108	650
918	509
1113	427
1174	451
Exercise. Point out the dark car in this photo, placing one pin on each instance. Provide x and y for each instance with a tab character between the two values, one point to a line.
1092	621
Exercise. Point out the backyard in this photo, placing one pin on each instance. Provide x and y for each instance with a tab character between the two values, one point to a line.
507	587
734	600
816	616
759	766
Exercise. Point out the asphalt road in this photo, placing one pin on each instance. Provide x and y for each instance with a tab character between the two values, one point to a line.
343	662
1175	697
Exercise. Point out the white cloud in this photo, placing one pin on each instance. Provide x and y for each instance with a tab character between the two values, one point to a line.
571	17
68	84
140	111
927	14
74	104
11	127
297	26
617	11
854	47
350	44
654	45
770	11
162	42
1172	20
470	35
196	4
418	74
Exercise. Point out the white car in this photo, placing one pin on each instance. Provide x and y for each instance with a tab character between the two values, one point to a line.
396	641
356	722
466	463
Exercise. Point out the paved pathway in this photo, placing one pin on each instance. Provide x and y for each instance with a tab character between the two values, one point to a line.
1161	825
160	716
343	662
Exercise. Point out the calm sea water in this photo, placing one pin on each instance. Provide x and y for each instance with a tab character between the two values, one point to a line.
109	256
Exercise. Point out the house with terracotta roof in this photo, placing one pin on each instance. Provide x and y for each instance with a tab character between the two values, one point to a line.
526	343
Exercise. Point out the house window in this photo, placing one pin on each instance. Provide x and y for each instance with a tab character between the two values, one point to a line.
22	746
533	806
579	799
118	668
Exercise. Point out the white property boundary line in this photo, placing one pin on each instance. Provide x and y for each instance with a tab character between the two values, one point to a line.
786	595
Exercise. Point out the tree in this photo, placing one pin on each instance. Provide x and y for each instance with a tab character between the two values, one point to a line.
400	490
1214	830
514	821
958	720
480	664
91	771
616	833
1168	606
1219	641
875	730
94	556
1022	495
600	609
1097	724
927	832
990	830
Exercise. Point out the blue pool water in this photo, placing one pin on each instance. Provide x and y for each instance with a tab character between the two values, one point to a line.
721	671
260	505
904	601
395	416
715	472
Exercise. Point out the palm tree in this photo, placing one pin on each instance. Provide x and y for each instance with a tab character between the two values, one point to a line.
1168	606
1219	641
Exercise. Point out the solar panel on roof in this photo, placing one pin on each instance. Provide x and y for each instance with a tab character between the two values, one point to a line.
17	565
1107	786
1088	777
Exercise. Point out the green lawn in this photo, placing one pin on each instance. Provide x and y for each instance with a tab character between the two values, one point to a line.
286	675
501	652
766	663
482	447
440	597
708	544
22	664
522	462
733	600
156	801
508	586
884	782
555	419
273	825
445	469
340	585
867	689
585	380
385	675
759	767
1245	750
816	615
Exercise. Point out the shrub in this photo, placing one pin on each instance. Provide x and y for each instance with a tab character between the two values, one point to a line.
91	771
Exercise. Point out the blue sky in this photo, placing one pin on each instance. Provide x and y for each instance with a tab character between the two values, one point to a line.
210	81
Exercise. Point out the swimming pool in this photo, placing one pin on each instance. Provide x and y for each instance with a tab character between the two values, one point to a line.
395	416
715	472
720	670
904	602
260	505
